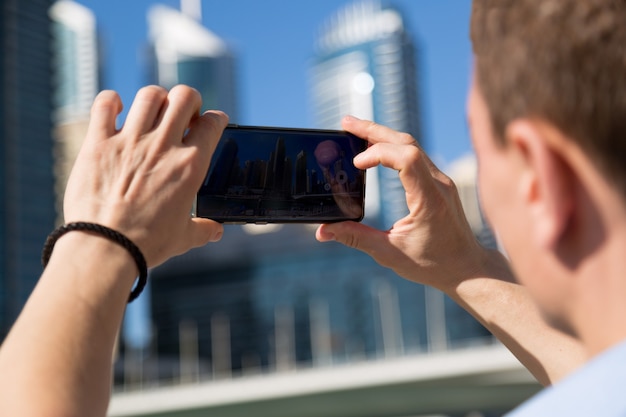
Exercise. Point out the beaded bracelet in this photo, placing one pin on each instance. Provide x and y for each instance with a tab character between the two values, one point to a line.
110	234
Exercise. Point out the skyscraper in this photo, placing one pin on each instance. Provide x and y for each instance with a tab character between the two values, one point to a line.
365	65
27	211
75	82
185	52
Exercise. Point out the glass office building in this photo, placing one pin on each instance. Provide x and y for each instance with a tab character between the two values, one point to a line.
27	211
283	300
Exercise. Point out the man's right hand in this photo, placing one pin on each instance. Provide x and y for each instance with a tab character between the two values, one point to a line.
434	243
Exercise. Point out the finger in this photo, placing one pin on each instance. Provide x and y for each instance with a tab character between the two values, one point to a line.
144	112
183	106
106	107
375	133
415	169
206	131
397	157
203	231
354	235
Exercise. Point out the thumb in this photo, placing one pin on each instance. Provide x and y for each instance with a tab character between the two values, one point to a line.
354	235
203	231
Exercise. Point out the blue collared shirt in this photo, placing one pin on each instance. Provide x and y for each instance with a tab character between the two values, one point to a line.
598	389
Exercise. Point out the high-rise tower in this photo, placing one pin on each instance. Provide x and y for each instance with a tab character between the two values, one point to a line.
75	82
26	176
365	65
185	52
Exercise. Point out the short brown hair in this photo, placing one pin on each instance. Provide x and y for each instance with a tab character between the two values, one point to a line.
563	61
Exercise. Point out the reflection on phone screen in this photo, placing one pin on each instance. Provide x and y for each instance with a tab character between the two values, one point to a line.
266	175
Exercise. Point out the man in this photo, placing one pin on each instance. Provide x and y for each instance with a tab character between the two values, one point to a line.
546	111
545	108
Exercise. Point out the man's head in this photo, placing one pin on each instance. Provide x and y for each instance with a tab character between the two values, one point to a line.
547	112
563	61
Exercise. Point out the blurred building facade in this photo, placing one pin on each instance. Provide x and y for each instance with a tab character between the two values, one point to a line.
27	212
76	82
182	51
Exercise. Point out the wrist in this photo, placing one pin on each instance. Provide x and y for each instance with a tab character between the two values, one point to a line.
102	232
92	264
472	265
491	273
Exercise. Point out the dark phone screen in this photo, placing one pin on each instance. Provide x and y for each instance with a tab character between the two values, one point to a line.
274	175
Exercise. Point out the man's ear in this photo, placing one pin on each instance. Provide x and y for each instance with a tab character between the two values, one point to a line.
545	184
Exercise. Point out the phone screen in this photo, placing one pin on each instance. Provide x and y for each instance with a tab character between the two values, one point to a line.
283	175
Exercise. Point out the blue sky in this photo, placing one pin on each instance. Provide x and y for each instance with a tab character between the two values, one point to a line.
274	42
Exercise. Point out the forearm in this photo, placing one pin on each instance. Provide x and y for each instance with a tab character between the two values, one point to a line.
506	309
67	331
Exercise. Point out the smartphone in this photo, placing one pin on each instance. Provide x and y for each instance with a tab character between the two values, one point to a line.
283	175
